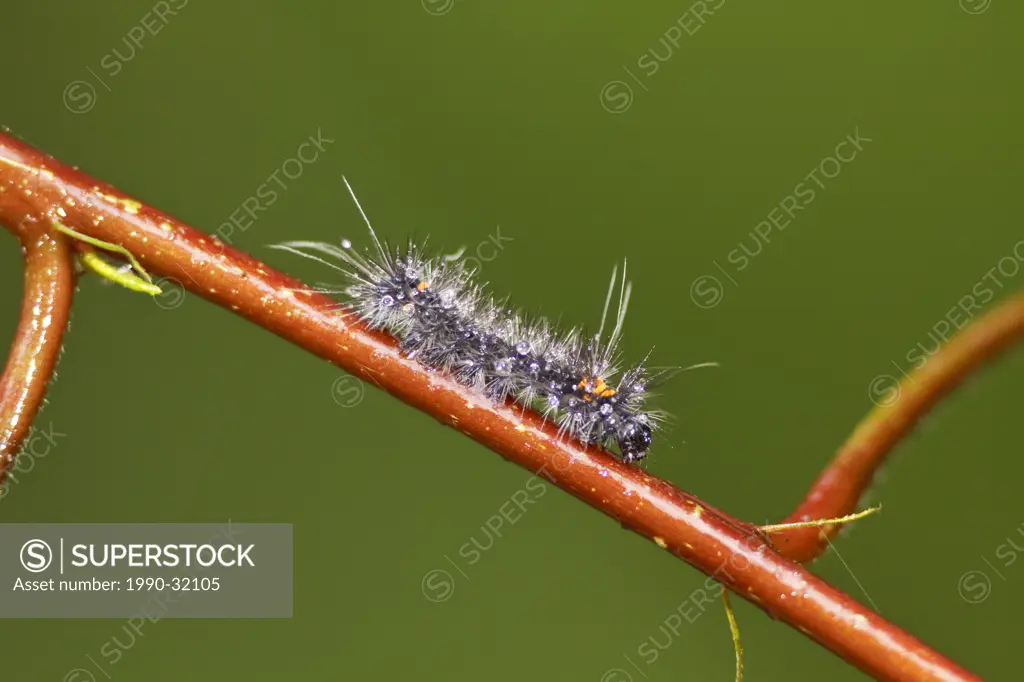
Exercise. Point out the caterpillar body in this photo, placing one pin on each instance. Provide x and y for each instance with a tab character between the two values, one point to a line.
444	318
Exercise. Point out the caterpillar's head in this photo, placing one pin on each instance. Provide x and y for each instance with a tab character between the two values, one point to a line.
633	438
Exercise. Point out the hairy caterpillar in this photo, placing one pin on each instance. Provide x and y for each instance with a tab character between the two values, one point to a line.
446	320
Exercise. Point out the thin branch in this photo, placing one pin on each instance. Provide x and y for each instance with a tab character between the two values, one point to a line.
841	485
49	285
734	552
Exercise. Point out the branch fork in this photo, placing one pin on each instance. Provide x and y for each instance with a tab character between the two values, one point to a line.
35	189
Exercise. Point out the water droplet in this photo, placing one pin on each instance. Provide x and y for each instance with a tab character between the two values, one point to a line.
523	347
387	301
606	409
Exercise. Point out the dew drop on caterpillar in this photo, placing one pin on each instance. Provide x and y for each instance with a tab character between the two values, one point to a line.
448	321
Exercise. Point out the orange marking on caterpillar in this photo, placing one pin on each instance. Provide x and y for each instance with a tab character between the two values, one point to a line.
599	389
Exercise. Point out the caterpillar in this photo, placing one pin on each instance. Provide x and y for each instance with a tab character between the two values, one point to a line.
445	319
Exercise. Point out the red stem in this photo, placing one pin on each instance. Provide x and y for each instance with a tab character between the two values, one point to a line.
49	285
730	550
840	486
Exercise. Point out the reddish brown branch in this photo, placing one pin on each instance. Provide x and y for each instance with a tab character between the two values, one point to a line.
49	285
715	543
840	486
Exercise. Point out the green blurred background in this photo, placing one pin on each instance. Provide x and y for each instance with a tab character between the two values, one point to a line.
453	119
